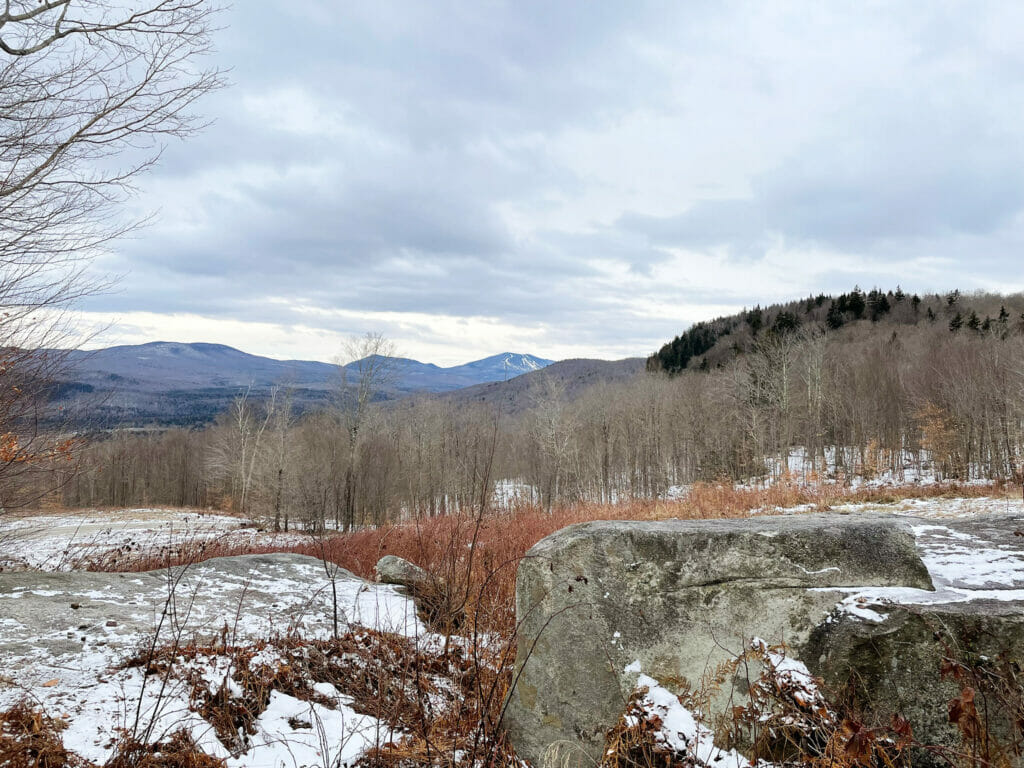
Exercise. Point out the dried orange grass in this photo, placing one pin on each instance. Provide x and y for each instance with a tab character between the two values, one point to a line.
473	559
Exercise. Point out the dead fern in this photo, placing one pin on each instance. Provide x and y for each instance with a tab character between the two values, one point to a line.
30	739
178	751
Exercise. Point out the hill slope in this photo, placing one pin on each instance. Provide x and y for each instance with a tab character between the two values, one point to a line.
713	343
569	378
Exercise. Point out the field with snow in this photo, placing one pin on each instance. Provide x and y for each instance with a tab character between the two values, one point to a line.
72	540
64	638
146	656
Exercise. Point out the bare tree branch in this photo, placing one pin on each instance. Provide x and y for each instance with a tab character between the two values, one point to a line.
89	92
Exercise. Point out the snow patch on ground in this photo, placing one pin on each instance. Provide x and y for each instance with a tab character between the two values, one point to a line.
73	671
291	732
971	547
59	542
938	507
847	466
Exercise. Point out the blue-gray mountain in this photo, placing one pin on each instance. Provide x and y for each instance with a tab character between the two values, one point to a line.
169	366
173	383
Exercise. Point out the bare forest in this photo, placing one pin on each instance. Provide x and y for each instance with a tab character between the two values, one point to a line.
907	395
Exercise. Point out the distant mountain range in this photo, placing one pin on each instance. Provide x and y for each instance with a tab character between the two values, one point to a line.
176	383
166	366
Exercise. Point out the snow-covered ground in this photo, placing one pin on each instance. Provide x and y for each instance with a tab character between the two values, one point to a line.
910	468
973	549
935	507
954	508
63	637
510	494
65	541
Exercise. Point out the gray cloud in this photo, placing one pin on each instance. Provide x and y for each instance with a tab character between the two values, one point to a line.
566	165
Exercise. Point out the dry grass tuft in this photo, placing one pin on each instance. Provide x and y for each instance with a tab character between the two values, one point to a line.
179	751
29	739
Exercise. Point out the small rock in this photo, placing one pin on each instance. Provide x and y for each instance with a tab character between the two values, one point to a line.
396	570
75	606
111	623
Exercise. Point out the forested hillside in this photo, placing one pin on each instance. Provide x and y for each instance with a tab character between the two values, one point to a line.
715	342
859	385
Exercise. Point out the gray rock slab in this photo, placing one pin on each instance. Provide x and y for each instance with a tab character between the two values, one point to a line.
678	597
53	623
894	666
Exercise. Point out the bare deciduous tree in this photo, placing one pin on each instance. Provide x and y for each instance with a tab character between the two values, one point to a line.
366	367
552	434
89	89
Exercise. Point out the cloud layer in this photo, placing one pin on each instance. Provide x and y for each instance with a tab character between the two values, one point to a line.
575	179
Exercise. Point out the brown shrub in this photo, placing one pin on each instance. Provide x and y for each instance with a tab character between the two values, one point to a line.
436	693
179	751
30	739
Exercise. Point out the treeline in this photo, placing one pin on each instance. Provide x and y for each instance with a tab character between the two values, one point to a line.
858	399
714	342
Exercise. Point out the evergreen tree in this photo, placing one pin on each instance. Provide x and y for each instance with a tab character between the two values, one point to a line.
785	322
755	319
878	305
956	323
834	319
855	303
676	355
974	323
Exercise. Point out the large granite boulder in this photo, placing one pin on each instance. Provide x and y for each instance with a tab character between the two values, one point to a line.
916	662
598	602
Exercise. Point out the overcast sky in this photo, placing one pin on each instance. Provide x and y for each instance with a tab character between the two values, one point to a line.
575	178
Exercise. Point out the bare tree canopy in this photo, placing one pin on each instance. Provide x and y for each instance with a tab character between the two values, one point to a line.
366	367
89	91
